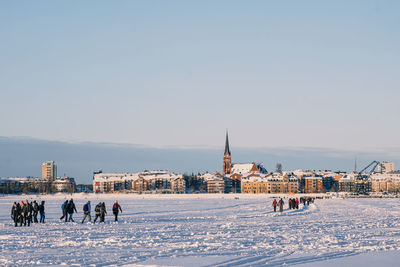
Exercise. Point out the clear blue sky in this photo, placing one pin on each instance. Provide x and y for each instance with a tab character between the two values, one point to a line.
178	73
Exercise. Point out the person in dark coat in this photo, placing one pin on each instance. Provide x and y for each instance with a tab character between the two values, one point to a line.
86	212
70	209
35	208
103	212
97	211
22	214
41	212
15	213
116	208
281	203
29	213
274	203
64	210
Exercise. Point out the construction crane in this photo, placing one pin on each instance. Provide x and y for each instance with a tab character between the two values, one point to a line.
363	185
369	165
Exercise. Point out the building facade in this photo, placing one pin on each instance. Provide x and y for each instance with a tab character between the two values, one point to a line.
313	184
216	185
385	167
49	170
142	182
389	183
270	184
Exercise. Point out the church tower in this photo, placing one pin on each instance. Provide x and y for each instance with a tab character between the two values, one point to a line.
227	165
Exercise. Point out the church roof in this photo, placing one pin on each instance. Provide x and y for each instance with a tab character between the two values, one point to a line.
227	150
243	168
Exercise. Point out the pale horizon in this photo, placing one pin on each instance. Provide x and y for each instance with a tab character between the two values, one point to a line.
22	157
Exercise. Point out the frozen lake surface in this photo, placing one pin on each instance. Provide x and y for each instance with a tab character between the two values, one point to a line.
201	230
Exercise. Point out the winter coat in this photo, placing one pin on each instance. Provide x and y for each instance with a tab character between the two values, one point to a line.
103	209
35	207
41	208
15	211
24	210
71	207
88	208
30	209
97	209
116	208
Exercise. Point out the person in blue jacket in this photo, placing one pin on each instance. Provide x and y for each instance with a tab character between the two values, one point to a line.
64	210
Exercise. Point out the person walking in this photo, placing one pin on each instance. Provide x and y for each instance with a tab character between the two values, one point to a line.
103	212
86	212
22	214
281	203
274	203
116	208
70	209
64	210
15	211
297	203
97	211
29	213
41	212
35	208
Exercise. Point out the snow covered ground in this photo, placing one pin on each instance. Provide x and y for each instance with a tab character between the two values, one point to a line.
206	230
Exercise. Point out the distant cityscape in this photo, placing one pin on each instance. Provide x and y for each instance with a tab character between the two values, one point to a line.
245	178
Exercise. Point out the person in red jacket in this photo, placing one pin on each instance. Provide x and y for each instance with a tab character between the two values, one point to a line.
274	203
116	208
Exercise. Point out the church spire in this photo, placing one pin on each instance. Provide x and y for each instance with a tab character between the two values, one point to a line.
227	150
227	165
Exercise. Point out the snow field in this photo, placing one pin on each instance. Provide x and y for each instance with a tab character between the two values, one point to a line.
200	230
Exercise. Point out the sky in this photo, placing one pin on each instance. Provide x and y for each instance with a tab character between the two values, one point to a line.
178	74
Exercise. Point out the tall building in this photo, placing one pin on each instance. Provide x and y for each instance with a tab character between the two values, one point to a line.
385	167
313	184
227	165
49	170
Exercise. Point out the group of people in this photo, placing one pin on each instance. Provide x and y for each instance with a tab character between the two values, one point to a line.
68	208
27	212
293	203
307	200
279	203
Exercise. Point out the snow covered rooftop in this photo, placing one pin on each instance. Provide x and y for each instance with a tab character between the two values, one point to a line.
243	168
20	179
385	176
121	177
